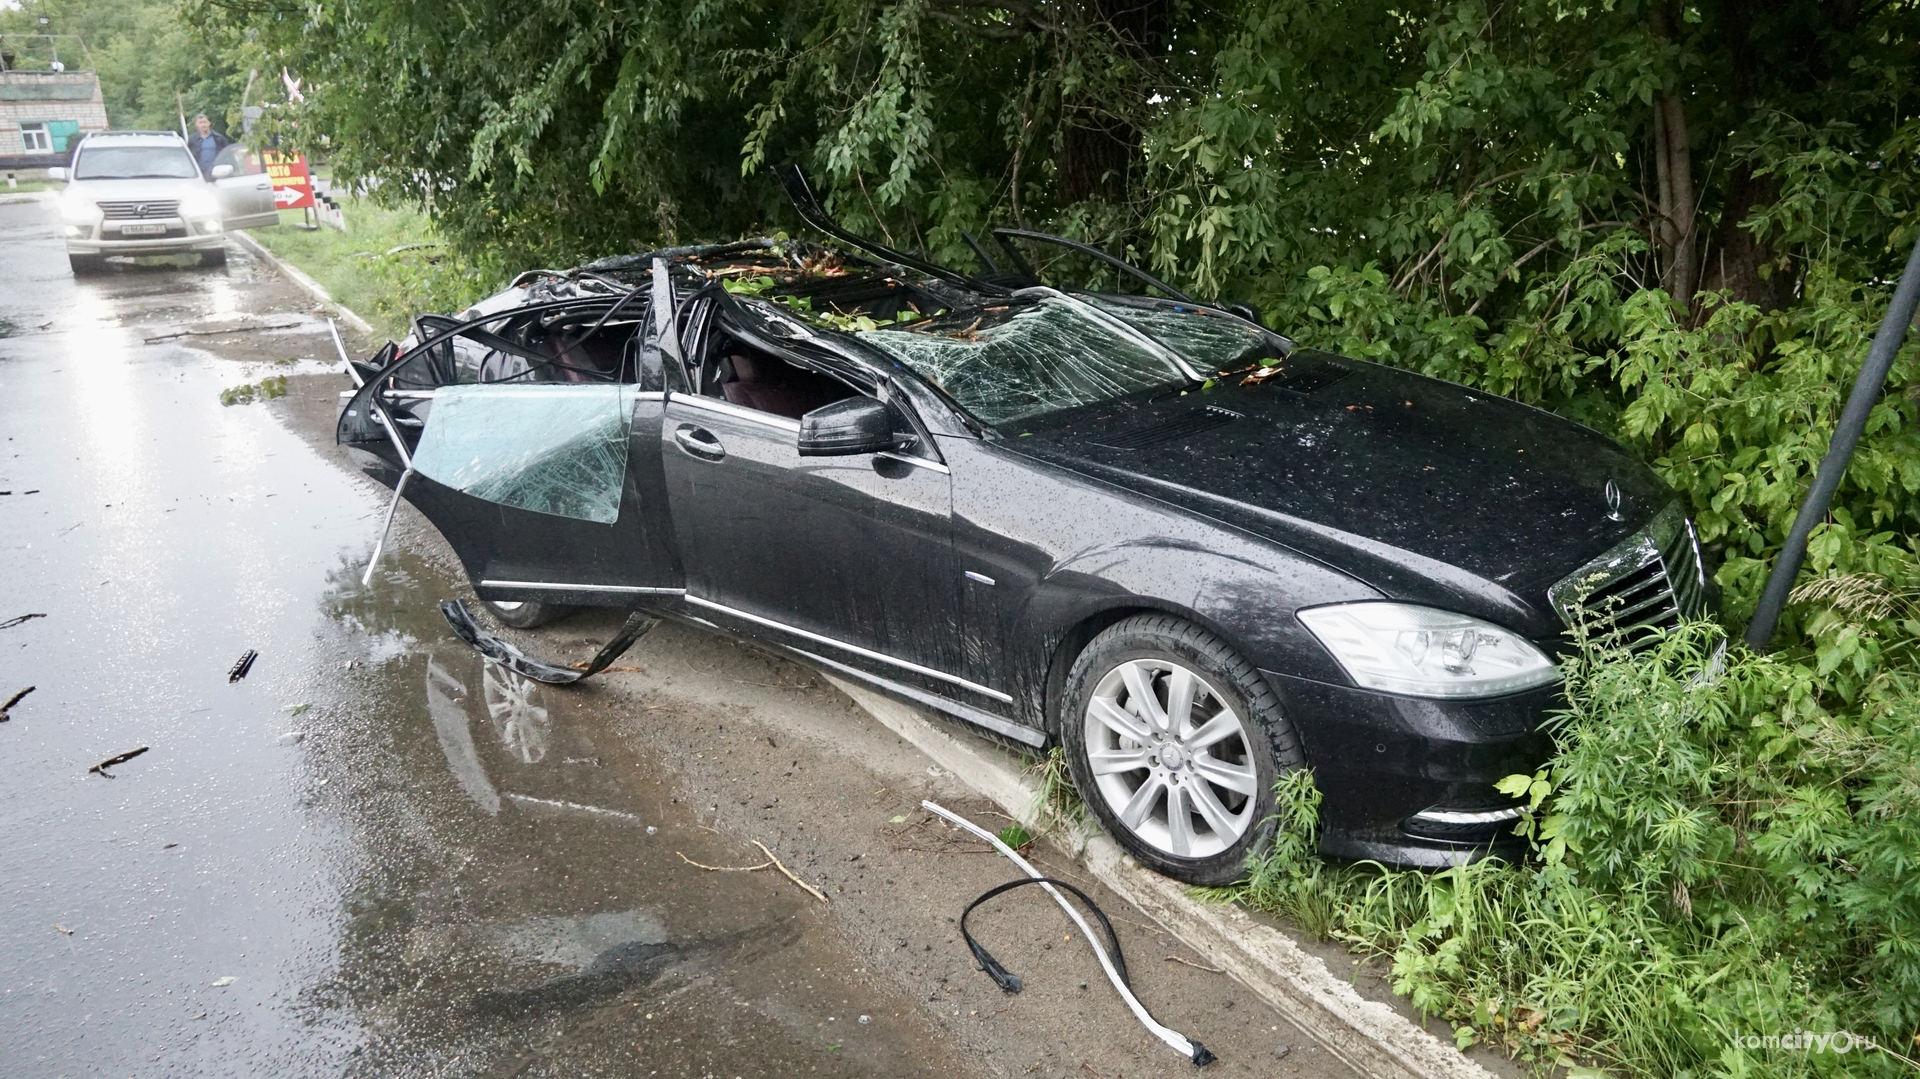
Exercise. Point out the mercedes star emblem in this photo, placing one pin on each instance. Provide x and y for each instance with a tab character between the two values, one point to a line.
1613	502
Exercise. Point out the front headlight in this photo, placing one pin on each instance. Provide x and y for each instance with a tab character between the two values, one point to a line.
79	211
199	205
1423	652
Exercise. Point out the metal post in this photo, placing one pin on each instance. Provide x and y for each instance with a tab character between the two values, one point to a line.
1846	436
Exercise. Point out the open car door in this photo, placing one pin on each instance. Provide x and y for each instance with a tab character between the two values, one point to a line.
531	439
245	194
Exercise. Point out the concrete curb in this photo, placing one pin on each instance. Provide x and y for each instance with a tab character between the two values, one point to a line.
1367	1036
307	284
8	198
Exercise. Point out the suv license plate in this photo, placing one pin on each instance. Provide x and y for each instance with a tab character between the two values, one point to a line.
143	230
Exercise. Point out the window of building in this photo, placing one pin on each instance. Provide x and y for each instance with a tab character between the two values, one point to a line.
34	139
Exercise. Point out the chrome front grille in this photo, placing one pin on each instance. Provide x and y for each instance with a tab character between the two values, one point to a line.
152	210
1645	585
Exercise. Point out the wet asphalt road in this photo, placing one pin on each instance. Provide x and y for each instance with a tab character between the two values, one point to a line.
375	855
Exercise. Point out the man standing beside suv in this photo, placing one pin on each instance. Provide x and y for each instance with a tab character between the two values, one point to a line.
206	144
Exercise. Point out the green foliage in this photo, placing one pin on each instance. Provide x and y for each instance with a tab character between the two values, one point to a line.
391	264
145	54
1718	855
1487	191
1015	836
247	392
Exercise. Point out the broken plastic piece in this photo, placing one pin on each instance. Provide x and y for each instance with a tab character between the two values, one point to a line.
120	759
1005	978
11	701
519	662
1179	1042
242	665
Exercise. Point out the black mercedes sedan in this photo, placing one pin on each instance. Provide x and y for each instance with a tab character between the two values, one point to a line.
1148	530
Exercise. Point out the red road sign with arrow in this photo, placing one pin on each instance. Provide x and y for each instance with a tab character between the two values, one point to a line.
292	185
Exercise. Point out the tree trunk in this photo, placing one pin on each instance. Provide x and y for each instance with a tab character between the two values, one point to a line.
1096	151
1099	140
1673	164
1735	258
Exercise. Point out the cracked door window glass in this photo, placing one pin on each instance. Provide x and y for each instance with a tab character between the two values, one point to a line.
550	449
1208	341
1010	363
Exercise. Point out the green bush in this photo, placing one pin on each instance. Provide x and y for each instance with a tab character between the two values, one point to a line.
1725	847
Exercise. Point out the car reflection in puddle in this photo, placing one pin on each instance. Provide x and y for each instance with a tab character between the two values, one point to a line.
521	723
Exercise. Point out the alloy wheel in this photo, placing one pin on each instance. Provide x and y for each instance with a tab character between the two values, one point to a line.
1171	758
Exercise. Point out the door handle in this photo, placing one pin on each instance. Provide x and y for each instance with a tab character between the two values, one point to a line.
699	442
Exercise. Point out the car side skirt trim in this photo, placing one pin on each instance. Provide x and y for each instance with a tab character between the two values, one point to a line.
853	648
1007	728
623	589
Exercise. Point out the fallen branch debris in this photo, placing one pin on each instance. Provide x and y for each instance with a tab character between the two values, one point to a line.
11	701
111	761
1194	965
221	331
773	861
781	866
12	622
722	868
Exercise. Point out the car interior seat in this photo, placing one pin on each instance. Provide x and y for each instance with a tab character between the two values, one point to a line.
766	384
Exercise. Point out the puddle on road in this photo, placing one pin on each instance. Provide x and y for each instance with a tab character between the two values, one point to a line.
417	882
530	912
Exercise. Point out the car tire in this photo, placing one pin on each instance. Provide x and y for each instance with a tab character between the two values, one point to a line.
527	614
1214	767
86	265
215	257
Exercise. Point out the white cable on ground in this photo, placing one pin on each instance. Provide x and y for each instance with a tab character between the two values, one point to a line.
1179	1042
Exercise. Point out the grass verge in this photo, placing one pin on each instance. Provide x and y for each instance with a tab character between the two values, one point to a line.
390	265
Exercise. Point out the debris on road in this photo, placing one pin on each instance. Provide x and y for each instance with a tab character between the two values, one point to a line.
291	738
209	330
11	701
245	393
1194	965
1116	973
120	759
296	709
492	647
242	665
228	980
12	622
773	861
58	928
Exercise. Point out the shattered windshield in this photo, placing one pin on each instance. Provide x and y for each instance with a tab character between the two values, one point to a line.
1013	362
1210	342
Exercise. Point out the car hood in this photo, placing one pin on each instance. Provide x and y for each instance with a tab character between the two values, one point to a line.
136	189
1426	490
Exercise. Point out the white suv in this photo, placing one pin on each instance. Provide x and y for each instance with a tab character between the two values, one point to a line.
141	193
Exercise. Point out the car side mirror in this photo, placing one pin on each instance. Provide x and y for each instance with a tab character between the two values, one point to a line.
221	172
58	172
847	427
1247	311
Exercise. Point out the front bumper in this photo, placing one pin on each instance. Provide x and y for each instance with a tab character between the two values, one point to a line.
182	236
1380	759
